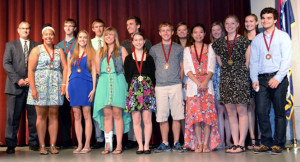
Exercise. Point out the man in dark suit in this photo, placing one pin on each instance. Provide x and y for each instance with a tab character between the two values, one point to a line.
15	61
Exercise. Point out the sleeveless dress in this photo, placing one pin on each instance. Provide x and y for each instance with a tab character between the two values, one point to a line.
234	79
201	108
140	95
80	84
111	91
47	81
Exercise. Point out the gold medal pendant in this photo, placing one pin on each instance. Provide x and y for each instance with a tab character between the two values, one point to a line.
268	56
78	70
51	66
200	69
108	69
230	62
140	78
167	66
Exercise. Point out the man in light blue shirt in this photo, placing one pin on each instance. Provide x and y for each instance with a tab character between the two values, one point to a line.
270	61
97	42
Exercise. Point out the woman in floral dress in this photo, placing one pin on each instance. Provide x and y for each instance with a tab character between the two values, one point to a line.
140	72
201	126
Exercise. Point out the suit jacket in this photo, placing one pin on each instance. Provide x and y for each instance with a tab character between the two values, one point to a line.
14	65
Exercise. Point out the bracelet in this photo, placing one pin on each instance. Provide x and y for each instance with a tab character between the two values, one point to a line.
63	84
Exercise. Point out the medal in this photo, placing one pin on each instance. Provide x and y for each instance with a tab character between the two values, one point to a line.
67	51
268	56
167	58
199	57
230	61
51	66
51	57
140	78
78	70
200	69
166	66
108	69
78	63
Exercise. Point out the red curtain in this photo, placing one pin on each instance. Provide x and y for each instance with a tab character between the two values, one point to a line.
113	13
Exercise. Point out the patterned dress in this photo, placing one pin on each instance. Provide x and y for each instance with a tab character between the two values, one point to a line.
47	81
234	79
140	94
201	108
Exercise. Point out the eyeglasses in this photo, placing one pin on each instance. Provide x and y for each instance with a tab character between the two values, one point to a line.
24	28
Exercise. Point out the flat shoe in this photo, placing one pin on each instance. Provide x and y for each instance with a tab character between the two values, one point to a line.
77	151
105	152
139	152
85	151
147	151
117	152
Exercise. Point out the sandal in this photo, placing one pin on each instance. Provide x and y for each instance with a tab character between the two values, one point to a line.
206	148
200	148
236	150
53	149
77	151
117	151
251	144
85	150
43	150
231	148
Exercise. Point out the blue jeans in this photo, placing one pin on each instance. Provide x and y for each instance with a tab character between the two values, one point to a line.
264	98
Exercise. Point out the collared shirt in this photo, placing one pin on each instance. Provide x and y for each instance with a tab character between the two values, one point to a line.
23	43
68	44
281	55
126	44
95	42
172	75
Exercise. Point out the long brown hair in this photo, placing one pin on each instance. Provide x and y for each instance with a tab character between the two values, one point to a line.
90	52
105	49
142	35
189	40
256	27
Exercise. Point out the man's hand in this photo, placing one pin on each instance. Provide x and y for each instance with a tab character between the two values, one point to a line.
22	83
273	83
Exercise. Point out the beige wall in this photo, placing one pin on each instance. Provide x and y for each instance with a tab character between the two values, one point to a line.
256	7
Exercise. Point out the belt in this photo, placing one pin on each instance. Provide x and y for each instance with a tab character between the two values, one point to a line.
203	74
267	74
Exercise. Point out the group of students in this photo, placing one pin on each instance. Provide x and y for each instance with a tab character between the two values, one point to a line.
207	88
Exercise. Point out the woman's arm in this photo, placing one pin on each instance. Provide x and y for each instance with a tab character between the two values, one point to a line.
32	63
68	75
65	71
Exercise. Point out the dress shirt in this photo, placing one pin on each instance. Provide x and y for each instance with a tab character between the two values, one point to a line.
281	55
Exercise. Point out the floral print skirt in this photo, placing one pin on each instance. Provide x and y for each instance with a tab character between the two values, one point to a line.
201	109
140	95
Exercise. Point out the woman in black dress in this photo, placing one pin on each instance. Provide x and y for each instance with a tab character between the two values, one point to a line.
233	52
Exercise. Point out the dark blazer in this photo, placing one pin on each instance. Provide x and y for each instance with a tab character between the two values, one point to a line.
14	65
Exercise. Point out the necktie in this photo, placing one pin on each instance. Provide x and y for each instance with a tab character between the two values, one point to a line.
26	53
99	43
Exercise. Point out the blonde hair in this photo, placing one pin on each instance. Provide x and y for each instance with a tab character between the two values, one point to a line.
216	23
88	49
236	19
105	48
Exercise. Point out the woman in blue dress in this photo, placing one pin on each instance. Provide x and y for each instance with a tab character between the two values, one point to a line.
81	85
47	87
111	91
